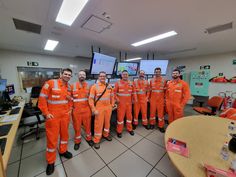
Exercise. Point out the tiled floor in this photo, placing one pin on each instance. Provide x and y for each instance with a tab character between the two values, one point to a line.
140	155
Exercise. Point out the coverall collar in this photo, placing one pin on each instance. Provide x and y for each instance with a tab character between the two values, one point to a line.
99	83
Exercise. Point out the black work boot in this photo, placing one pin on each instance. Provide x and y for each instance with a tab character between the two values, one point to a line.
67	155
96	145
152	127
76	146
162	130
50	169
119	135
134	126
146	126
131	132
90	142
108	138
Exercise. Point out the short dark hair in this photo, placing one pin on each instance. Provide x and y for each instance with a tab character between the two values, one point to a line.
158	68
66	69
176	70
124	71
102	72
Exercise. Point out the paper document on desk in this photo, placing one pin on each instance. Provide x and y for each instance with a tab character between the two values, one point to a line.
9	118
215	172
178	147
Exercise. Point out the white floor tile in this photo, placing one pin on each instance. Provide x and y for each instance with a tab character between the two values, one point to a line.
155	173
129	164
83	165
157	137
149	151
15	154
129	140
110	150
33	147
58	172
105	172
12	170
166	167
35	164
142	131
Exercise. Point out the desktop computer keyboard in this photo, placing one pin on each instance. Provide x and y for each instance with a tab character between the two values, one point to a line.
15	111
4	129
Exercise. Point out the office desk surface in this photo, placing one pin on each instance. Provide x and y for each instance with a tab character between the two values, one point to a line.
205	136
11	136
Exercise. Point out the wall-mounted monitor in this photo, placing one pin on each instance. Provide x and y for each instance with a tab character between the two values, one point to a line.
131	67
3	85
148	66
101	62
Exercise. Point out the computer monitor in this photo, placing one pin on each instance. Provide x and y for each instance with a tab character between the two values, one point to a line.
3	85
148	66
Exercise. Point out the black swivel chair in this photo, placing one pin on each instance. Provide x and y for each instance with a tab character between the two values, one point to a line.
33	117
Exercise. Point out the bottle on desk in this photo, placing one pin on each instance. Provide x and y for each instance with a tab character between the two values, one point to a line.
225	151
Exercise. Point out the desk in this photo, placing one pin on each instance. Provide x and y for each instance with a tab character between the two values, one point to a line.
205	136
10	140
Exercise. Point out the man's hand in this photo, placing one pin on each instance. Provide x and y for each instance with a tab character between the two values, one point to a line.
49	116
96	112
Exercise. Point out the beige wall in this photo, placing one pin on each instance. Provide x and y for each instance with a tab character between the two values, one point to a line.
220	63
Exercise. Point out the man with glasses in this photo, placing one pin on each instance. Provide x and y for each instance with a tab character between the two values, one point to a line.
124	96
81	110
101	101
55	104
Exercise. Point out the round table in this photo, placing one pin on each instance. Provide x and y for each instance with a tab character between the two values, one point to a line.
205	136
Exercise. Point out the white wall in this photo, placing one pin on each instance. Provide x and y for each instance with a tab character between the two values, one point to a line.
9	60
220	63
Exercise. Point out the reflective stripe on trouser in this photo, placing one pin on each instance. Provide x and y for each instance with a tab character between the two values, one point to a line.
143	107
82	118
55	127
103	118
157	106
175	111
122	110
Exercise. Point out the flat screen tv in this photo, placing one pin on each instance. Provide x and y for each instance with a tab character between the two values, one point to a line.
101	62
148	66
131	67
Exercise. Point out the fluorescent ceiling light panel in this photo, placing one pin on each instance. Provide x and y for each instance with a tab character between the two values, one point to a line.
132	59
69	11
50	45
155	38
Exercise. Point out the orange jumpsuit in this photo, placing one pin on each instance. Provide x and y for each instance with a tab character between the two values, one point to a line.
81	110
157	101
124	93
142	91
229	113
54	99
177	95
104	108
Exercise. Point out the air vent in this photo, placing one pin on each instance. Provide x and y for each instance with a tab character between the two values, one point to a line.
219	28
27	26
96	24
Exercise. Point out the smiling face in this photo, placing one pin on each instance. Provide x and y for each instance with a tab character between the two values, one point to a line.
102	77
82	76
175	74
65	76
141	74
125	76
157	72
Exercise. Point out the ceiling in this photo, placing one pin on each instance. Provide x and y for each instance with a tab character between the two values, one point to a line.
131	21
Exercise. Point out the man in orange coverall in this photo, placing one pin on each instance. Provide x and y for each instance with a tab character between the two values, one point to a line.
177	95
55	104
229	113
142	90
124	96
81	110
157	100
101	101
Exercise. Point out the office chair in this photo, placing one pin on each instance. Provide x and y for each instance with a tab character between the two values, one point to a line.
213	105
33	120
35	92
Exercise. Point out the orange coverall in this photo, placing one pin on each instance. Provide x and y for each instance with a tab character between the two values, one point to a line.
124	93
104	108
177	95
54	99
229	113
142	91
81	110
157	100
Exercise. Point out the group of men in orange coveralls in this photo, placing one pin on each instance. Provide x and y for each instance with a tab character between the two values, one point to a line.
59	100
